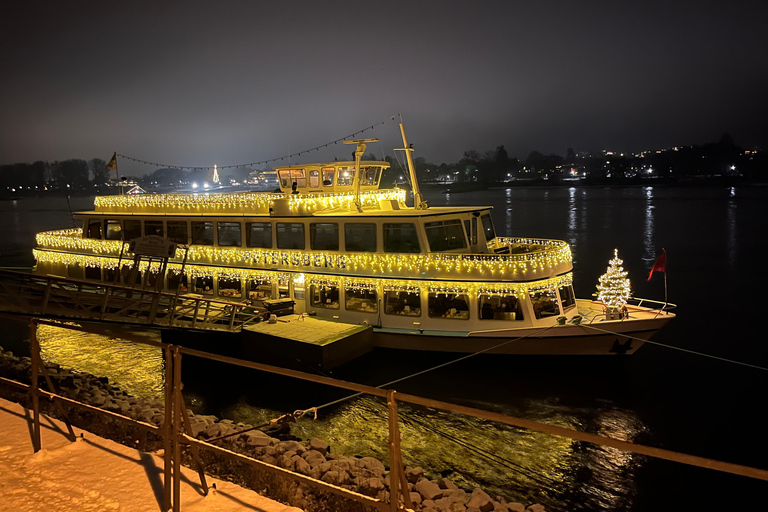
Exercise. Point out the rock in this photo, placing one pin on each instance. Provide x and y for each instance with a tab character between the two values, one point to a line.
301	466
415	498
536	508
515	507
291	446
254	440
481	500
313	457
413	474
318	445
374	465
376	484
333	477
447	484
428	490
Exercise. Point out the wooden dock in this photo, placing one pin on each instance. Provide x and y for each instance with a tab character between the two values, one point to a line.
320	343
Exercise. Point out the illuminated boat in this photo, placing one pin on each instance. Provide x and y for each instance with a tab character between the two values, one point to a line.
333	244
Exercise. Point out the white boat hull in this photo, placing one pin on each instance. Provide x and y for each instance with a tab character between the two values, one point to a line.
598	338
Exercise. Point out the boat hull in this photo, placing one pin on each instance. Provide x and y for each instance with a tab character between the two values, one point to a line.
607	338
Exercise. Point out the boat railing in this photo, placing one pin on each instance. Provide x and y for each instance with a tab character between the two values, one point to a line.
651	304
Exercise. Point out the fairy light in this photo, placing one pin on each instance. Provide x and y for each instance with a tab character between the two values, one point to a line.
251	203
551	258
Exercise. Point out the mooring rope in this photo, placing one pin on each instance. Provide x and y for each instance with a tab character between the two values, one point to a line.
702	354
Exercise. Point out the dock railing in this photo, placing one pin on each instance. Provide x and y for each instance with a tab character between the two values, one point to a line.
175	430
52	296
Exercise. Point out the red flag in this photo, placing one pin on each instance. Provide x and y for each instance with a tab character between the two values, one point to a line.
660	265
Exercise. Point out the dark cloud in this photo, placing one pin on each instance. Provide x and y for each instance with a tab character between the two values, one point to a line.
195	83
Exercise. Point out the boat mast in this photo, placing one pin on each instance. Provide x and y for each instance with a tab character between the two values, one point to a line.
359	152
418	200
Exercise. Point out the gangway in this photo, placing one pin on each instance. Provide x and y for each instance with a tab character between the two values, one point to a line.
46	296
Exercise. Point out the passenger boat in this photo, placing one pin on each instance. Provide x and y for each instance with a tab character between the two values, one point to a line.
331	243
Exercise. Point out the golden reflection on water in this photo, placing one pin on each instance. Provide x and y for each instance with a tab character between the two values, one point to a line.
134	367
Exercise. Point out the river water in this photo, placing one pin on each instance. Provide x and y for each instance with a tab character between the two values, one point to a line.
674	399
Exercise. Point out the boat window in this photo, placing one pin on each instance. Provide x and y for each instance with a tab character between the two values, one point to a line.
177	231
369	176
132	229
567	297
290	235
93	273
402	303
229	234
360	237
500	307
230	287
544	303
202	233
113	229
258	234
324	296
290	176
151	280
259	290
314	178
94	229
356	299
324	236
490	233
400	237
174	281
445	235
448	305
328	174
346	176
470	226
153	227
203	285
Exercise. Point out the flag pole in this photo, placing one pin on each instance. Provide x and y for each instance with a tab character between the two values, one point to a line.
665	277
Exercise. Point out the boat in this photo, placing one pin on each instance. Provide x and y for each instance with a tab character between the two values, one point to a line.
332	244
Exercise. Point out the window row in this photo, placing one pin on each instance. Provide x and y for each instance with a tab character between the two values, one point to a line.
443	305
323	236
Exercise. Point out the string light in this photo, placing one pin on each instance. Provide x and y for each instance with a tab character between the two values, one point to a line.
613	287
552	258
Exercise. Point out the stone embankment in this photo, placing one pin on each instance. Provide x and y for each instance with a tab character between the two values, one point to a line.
313	458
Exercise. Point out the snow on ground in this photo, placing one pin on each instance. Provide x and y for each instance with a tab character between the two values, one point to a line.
96	474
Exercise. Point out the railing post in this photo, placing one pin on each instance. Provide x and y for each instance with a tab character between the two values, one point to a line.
176	429
167	426
35	357
398	485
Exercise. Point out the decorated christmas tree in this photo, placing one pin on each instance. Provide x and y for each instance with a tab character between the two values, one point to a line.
613	286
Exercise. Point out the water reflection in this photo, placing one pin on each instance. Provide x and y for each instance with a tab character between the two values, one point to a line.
137	368
649	245
732	227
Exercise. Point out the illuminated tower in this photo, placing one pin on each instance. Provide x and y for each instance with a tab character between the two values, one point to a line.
215	174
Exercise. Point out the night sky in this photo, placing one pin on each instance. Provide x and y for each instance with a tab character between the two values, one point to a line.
196	83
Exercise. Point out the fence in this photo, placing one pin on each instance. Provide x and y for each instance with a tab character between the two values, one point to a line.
175	430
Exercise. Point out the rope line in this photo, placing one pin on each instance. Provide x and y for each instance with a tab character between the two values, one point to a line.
289	155
517	468
702	354
422	372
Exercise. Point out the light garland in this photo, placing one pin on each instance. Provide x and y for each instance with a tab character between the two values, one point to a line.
552	257
354	282
251	203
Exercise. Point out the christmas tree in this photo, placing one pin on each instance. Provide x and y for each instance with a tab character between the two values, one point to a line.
613	286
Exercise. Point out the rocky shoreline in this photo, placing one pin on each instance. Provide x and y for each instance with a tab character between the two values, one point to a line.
275	446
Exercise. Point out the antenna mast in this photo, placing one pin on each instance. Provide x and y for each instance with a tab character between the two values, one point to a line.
418	200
